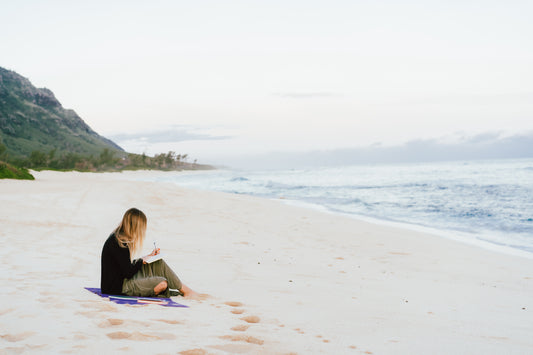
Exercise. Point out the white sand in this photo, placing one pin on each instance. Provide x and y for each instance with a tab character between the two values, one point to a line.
312	282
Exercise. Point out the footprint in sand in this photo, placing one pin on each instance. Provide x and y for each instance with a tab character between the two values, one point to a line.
169	321
89	314
79	336
193	352
13	338
233	304
141	336
99	307
113	321
251	319
245	338
119	335
240	328
110	322
243	327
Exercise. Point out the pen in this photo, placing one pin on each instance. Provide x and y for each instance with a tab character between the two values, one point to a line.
155	248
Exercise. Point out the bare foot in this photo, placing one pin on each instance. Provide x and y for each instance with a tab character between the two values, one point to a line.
192	295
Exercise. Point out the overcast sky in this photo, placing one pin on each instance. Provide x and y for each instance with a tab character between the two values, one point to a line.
229	78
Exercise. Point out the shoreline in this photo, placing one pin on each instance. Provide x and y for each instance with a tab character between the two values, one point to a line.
469	238
282	279
450	234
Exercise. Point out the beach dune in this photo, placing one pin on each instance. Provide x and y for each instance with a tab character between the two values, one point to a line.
282	279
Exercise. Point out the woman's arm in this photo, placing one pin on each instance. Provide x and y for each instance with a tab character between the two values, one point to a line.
128	269
122	258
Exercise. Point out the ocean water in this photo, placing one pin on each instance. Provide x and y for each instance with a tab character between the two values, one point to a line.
487	201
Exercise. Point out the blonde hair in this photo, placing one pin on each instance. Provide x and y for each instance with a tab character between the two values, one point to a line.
131	231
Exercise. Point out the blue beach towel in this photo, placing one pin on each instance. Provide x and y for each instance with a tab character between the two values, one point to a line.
167	302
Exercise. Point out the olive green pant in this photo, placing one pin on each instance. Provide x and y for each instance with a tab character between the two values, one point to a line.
143	282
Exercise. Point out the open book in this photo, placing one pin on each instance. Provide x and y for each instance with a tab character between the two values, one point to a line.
151	258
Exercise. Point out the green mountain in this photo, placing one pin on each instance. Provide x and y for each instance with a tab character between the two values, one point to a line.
33	120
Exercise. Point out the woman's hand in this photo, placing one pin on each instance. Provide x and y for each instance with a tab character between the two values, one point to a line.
154	252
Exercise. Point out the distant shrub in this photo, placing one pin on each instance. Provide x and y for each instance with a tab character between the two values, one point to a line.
10	172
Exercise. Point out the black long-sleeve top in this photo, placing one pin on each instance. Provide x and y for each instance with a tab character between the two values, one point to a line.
116	266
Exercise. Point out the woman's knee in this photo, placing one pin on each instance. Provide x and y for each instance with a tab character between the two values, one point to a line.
160	287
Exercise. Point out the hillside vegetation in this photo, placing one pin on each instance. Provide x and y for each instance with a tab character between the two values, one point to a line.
37	132
32	119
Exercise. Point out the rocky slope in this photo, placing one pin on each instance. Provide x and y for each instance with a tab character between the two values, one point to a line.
32	119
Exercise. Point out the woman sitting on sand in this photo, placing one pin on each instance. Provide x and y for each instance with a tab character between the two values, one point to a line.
121	274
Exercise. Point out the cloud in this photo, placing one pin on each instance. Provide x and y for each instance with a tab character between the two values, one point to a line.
306	95
483	146
172	134
466	99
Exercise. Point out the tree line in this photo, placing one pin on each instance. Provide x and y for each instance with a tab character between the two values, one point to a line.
107	160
